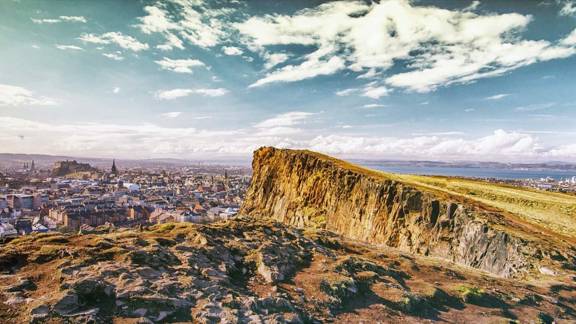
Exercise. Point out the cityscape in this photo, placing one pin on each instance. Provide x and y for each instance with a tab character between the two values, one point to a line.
287	162
74	196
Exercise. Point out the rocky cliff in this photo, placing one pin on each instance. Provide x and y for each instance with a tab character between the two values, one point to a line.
307	189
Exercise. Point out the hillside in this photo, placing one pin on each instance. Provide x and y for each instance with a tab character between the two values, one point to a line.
320	240
63	168
254	271
509	232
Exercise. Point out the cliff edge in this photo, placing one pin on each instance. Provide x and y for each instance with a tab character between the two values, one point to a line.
308	189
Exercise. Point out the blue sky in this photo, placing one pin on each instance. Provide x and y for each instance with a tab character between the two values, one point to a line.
439	80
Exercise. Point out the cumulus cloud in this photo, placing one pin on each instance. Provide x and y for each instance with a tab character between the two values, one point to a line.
179	66
375	92
192	21
172	41
117	38
570	40
179	93
500	144
274	59
156	21
436	47
568	8
232	50
18	96
77	19
149	140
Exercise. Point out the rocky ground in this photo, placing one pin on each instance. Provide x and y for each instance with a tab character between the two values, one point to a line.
255	271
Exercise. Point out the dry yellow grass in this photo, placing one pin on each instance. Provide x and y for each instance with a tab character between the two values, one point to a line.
555	211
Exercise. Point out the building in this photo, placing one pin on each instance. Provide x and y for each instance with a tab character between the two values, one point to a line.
114	169
7	231
20	201
72	217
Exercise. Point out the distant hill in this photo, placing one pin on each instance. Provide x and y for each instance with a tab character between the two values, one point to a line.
62	168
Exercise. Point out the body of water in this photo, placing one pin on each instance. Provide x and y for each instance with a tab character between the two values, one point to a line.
480	172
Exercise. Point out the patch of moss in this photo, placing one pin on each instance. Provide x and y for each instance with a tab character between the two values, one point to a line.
164	228
47	253
471	294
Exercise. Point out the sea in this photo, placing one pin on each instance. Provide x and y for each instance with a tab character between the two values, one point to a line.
475	172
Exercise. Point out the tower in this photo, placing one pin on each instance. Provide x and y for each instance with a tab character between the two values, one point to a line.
114	169
32	166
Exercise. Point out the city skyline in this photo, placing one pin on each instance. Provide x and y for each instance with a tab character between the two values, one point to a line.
419	80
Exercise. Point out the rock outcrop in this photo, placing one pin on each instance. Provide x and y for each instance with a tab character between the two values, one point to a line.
250	270
62	168
307	189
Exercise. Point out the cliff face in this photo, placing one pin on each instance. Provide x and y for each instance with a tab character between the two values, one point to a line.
307	189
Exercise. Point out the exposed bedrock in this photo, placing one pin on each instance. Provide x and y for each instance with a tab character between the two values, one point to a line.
306	189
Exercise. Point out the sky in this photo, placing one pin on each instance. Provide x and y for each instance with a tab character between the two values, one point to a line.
389	79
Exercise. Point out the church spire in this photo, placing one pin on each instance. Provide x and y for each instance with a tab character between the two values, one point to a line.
114	169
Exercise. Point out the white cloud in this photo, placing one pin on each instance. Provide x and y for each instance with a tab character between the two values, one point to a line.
149	140
570	40
17	96
346	92
78	19
437	47
375	92
218	92
179	93
287	119
172	41
116	90
568	8
156	21
508	146
69	47
497	96
193	21
171	115
473	6
232	50
274	59
114	56
536	107
372	106
121	40
315	64
179	66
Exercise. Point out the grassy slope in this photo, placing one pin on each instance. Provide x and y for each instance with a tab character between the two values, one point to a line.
554	211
